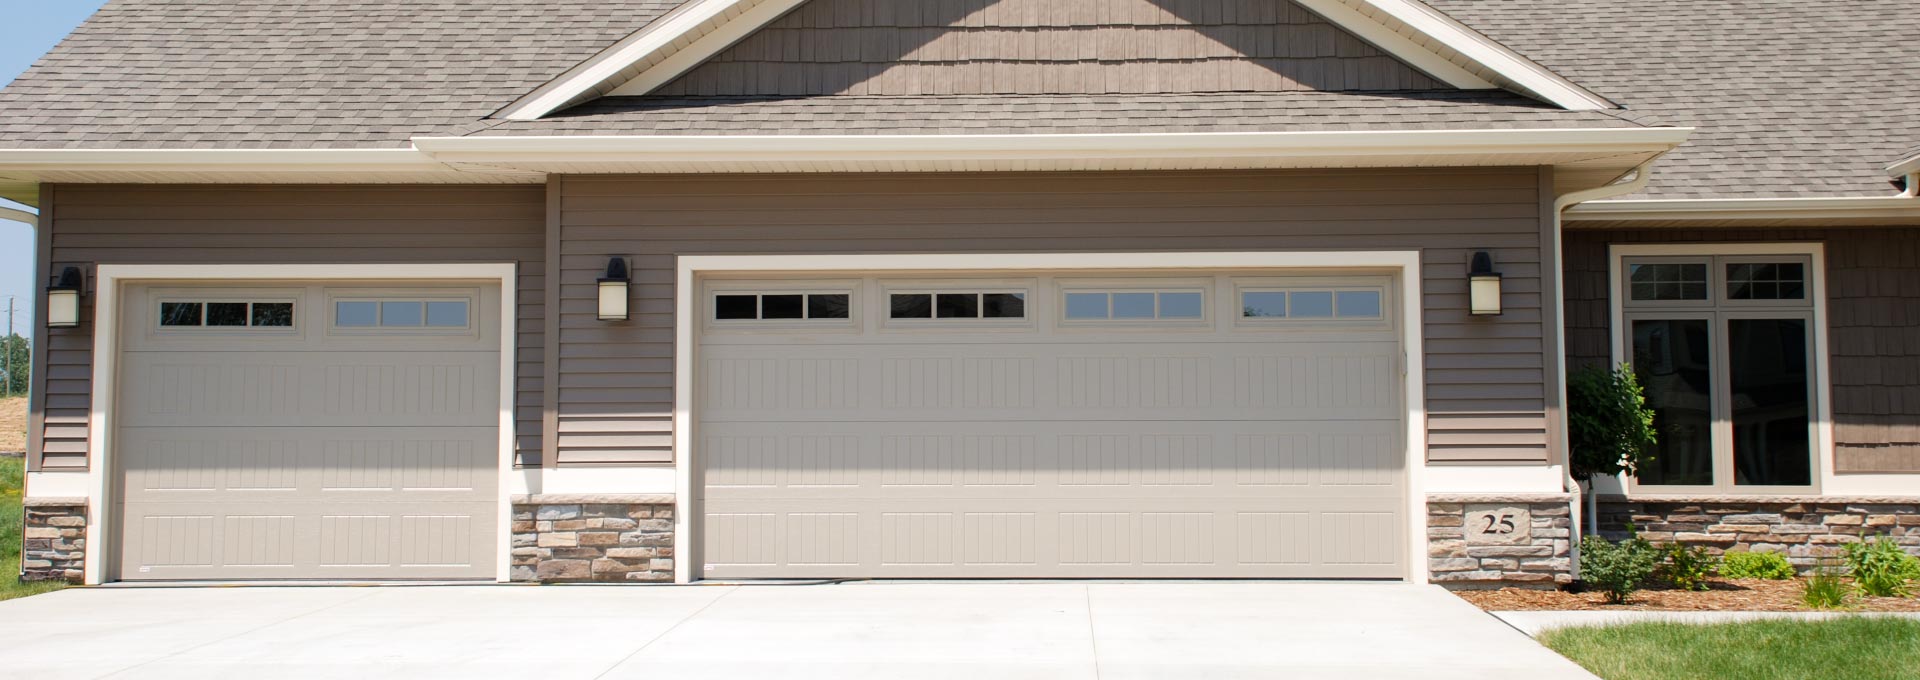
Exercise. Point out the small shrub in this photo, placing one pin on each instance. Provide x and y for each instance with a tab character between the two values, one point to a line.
1767	565
1881	568
1617	569
1687	567
1824	589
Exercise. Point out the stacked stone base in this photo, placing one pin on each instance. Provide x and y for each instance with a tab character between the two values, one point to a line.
1499	541
1809	530
55	540
593	538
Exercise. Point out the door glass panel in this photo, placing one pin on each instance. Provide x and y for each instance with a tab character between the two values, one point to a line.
1767	370
1180	305
1003	305
911	306
1133	305
226	313
1086	305
1673	361
1311	304
782	306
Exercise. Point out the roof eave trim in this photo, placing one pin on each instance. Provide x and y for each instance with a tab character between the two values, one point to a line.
662	50
1484	51
330	160
1725	209
908	147
1904	167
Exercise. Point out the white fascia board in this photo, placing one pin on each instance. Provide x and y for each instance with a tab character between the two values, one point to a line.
1477	48
1901	168
1745	208
1355	143
22	216
665	43
1386	38
262	160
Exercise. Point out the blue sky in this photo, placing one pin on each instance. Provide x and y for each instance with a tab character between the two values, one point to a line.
31	28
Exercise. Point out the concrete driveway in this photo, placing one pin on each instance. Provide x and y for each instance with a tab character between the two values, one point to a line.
922	631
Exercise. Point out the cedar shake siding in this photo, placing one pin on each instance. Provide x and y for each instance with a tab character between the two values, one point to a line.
228	224
1873	335
1487	381
975	47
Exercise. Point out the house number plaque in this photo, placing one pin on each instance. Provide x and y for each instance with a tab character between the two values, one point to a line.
1498	525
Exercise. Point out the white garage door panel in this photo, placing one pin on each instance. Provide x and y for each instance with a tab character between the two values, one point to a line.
308	452
364	389
1207	380
1210	449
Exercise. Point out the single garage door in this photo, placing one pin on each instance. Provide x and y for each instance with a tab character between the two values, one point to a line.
308	432
1195	424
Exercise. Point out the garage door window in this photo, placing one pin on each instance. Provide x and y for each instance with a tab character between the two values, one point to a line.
1308	305
181	314
401	314
781	306
1134	305
958	305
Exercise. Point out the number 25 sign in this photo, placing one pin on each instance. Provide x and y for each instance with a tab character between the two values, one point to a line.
1497	525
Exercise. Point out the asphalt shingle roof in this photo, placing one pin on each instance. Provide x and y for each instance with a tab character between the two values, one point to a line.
299	73
1056	114
1791	97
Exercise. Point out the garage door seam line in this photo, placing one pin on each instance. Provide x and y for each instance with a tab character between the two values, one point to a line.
248	631
676	625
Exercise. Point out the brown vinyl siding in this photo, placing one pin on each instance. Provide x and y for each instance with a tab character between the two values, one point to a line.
861	47
1873	334
154	224
1486	387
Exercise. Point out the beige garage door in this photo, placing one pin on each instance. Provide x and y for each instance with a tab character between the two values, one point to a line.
308	431
1113	425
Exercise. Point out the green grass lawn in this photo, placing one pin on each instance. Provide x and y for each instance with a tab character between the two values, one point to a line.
12	471
1848	648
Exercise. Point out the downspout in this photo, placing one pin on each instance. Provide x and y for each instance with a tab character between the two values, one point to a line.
33	224
1641	174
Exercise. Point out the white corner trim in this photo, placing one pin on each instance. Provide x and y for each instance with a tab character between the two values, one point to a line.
1479	49
660	51
60	484
1745	208
1407	263
1817	289
1343	143
107	282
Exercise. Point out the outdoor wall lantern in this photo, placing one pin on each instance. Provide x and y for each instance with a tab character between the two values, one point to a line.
613	291
63	300
1483	286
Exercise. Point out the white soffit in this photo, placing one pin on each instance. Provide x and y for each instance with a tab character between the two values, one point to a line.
1605	152
1841	211
25	168
694	32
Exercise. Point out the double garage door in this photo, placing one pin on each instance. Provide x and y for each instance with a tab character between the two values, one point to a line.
1173	424
290	430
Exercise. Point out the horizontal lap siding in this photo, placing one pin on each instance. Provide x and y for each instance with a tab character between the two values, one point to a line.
1873	328
1486	392
149	224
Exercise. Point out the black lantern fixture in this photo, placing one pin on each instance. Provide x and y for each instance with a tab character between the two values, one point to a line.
1483	286
613	291
63	299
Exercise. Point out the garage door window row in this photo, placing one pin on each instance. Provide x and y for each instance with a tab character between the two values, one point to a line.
175	314
439	314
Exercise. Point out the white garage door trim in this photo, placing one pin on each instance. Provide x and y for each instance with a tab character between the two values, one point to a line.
685	324
110	277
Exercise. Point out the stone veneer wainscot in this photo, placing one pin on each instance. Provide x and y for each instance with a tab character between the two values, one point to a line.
1528	545
1808	529
622	538
55	543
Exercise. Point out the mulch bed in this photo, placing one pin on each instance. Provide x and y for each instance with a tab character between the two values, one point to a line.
1750	595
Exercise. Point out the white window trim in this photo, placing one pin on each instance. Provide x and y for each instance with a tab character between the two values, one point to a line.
1825	481
1026	288
332	297
1064	286
1406	264
106	333
174	295
1312	284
